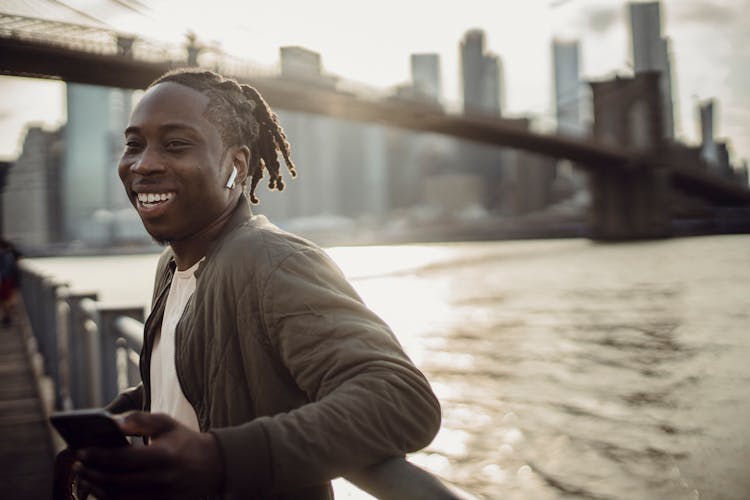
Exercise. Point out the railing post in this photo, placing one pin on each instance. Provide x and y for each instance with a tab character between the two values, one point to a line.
42	297
46	330
91	352
121	353
108	347
50	331
80	377
62	322
28	287
31	290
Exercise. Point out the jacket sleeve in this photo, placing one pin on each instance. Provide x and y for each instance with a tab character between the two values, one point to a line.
368	401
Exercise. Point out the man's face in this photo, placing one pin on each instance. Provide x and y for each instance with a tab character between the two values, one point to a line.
174	167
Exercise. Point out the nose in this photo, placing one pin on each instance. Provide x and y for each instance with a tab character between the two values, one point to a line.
149	162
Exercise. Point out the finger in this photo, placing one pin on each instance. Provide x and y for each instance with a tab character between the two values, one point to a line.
85	489
146	424
63	473
124	459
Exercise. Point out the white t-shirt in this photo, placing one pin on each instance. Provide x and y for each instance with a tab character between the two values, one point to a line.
166	393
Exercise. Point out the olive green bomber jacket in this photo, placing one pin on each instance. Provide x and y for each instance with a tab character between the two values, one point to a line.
299	381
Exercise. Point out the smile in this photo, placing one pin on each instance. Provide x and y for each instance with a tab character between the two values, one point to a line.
151	205
152	199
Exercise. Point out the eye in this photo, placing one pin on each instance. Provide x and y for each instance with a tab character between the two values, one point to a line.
132	145
176	144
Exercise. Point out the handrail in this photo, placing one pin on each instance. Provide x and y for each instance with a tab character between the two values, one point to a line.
95	355
130	339
130	329
399	479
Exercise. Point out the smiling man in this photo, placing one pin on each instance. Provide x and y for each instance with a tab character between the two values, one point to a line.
263	373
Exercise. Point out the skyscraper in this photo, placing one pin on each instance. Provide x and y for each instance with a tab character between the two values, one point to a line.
481	79
91	189
425	75
343	162
32	212
570	98
299	63
651	53
567	87
481	76
709	149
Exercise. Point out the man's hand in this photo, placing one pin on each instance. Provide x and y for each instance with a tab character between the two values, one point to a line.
178	463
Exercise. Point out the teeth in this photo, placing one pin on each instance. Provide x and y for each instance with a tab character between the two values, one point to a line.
154	197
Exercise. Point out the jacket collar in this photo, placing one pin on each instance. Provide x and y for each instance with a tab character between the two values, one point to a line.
241	214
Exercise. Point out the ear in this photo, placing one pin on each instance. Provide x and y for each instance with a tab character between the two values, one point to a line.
241	161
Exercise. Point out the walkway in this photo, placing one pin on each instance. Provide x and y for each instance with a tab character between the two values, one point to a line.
26	455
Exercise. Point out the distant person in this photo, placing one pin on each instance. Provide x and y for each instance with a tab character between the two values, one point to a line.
8	280
263	373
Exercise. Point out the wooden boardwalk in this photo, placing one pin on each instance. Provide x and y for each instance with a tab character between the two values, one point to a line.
26	447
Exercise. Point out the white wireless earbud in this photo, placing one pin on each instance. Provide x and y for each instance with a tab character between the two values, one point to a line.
232	177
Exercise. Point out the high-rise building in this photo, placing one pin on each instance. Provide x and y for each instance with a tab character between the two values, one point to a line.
481	76
425	76
299	63
91	190
709	148
491	84
742	174
645	23
570	99
32	211
715	153
64	187
362	167
481	79
568	88
342	164
651	53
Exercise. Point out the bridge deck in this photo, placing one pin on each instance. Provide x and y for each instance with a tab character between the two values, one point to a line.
26	449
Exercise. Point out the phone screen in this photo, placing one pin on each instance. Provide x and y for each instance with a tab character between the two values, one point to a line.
88	428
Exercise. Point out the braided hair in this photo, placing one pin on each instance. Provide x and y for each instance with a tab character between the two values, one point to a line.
243	118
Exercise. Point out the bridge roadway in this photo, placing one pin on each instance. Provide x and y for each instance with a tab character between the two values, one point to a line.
26	447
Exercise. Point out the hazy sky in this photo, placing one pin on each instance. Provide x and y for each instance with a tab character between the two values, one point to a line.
370	42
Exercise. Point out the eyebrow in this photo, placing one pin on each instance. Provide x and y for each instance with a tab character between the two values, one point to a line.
167	127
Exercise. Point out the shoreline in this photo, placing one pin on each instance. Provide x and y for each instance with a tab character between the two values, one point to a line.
528	227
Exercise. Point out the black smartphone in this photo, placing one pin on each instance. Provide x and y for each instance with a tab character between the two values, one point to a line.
88	428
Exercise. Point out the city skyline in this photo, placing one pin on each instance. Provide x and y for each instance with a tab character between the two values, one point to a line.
601	27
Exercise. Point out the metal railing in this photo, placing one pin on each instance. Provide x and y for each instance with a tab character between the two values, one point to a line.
90	350
91	353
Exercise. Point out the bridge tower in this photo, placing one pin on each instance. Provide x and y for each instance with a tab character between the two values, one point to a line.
632	203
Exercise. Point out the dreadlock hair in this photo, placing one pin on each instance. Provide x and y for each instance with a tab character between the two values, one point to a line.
243	118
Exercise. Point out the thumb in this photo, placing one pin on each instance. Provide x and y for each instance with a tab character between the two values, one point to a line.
142	423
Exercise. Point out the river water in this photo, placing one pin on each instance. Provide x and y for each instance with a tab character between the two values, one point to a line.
566	368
